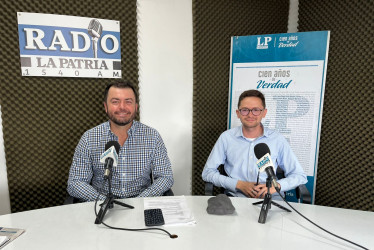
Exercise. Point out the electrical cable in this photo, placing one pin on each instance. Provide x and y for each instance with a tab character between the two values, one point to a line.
320	226
172	236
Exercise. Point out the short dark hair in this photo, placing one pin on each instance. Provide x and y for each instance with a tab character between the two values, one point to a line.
252	93
121	85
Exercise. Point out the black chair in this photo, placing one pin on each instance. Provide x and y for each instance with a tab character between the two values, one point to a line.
71	200
210	188
302	193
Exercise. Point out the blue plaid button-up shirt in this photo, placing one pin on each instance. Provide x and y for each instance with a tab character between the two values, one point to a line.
143	152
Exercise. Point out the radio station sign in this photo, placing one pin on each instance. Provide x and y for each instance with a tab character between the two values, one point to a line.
69	46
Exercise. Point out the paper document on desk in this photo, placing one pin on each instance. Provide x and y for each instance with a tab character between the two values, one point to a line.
3	240
9	234
174	209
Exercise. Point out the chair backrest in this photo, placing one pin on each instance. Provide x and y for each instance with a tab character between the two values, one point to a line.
168	192
210	189
302	193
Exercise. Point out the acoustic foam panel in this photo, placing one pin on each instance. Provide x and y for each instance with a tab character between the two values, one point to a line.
214	23
345	176
44	117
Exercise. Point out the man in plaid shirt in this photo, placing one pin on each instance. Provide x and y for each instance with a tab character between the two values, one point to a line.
142	152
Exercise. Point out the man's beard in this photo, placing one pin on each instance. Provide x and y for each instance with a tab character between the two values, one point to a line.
120	123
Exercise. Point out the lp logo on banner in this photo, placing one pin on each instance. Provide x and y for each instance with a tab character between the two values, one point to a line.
263	43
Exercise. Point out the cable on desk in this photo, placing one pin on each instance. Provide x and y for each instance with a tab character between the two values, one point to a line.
172	236
320	226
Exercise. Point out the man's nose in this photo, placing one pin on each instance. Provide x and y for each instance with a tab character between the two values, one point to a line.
122	105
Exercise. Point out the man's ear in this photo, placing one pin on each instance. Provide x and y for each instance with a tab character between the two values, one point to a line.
105	107
238	113
264	113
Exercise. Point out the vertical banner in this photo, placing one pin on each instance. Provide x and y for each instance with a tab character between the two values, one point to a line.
290	69
68	46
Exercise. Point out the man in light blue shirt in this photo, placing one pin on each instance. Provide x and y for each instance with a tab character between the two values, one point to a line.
235	149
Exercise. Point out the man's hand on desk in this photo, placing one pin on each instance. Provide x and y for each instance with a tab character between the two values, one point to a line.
252	190
247	188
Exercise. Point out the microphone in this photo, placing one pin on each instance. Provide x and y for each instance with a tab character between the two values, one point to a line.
95	29
110	157
265	163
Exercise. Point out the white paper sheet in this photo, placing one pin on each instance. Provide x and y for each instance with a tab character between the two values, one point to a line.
174	209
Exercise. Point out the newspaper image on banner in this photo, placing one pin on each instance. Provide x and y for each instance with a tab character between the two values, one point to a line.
68	46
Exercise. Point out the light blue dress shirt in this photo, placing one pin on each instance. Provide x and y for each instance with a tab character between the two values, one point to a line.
237	154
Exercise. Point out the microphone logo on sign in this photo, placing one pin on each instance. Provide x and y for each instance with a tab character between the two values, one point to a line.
95	29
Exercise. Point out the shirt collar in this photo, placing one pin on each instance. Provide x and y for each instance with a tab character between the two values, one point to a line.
266	131
133	127
130	132
239	132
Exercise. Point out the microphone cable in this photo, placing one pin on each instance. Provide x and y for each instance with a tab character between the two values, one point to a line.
258	178
172	236
320	226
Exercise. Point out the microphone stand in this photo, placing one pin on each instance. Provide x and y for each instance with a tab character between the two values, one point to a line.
108	203
266	203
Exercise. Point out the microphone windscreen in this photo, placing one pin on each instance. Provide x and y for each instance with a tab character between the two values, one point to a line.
112	143
261	149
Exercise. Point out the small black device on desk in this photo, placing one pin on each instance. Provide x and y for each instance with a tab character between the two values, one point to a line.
153	217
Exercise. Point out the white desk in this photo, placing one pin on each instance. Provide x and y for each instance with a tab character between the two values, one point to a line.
72	227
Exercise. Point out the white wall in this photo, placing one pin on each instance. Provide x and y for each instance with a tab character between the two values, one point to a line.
166	85
293	17
4	192
166	80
